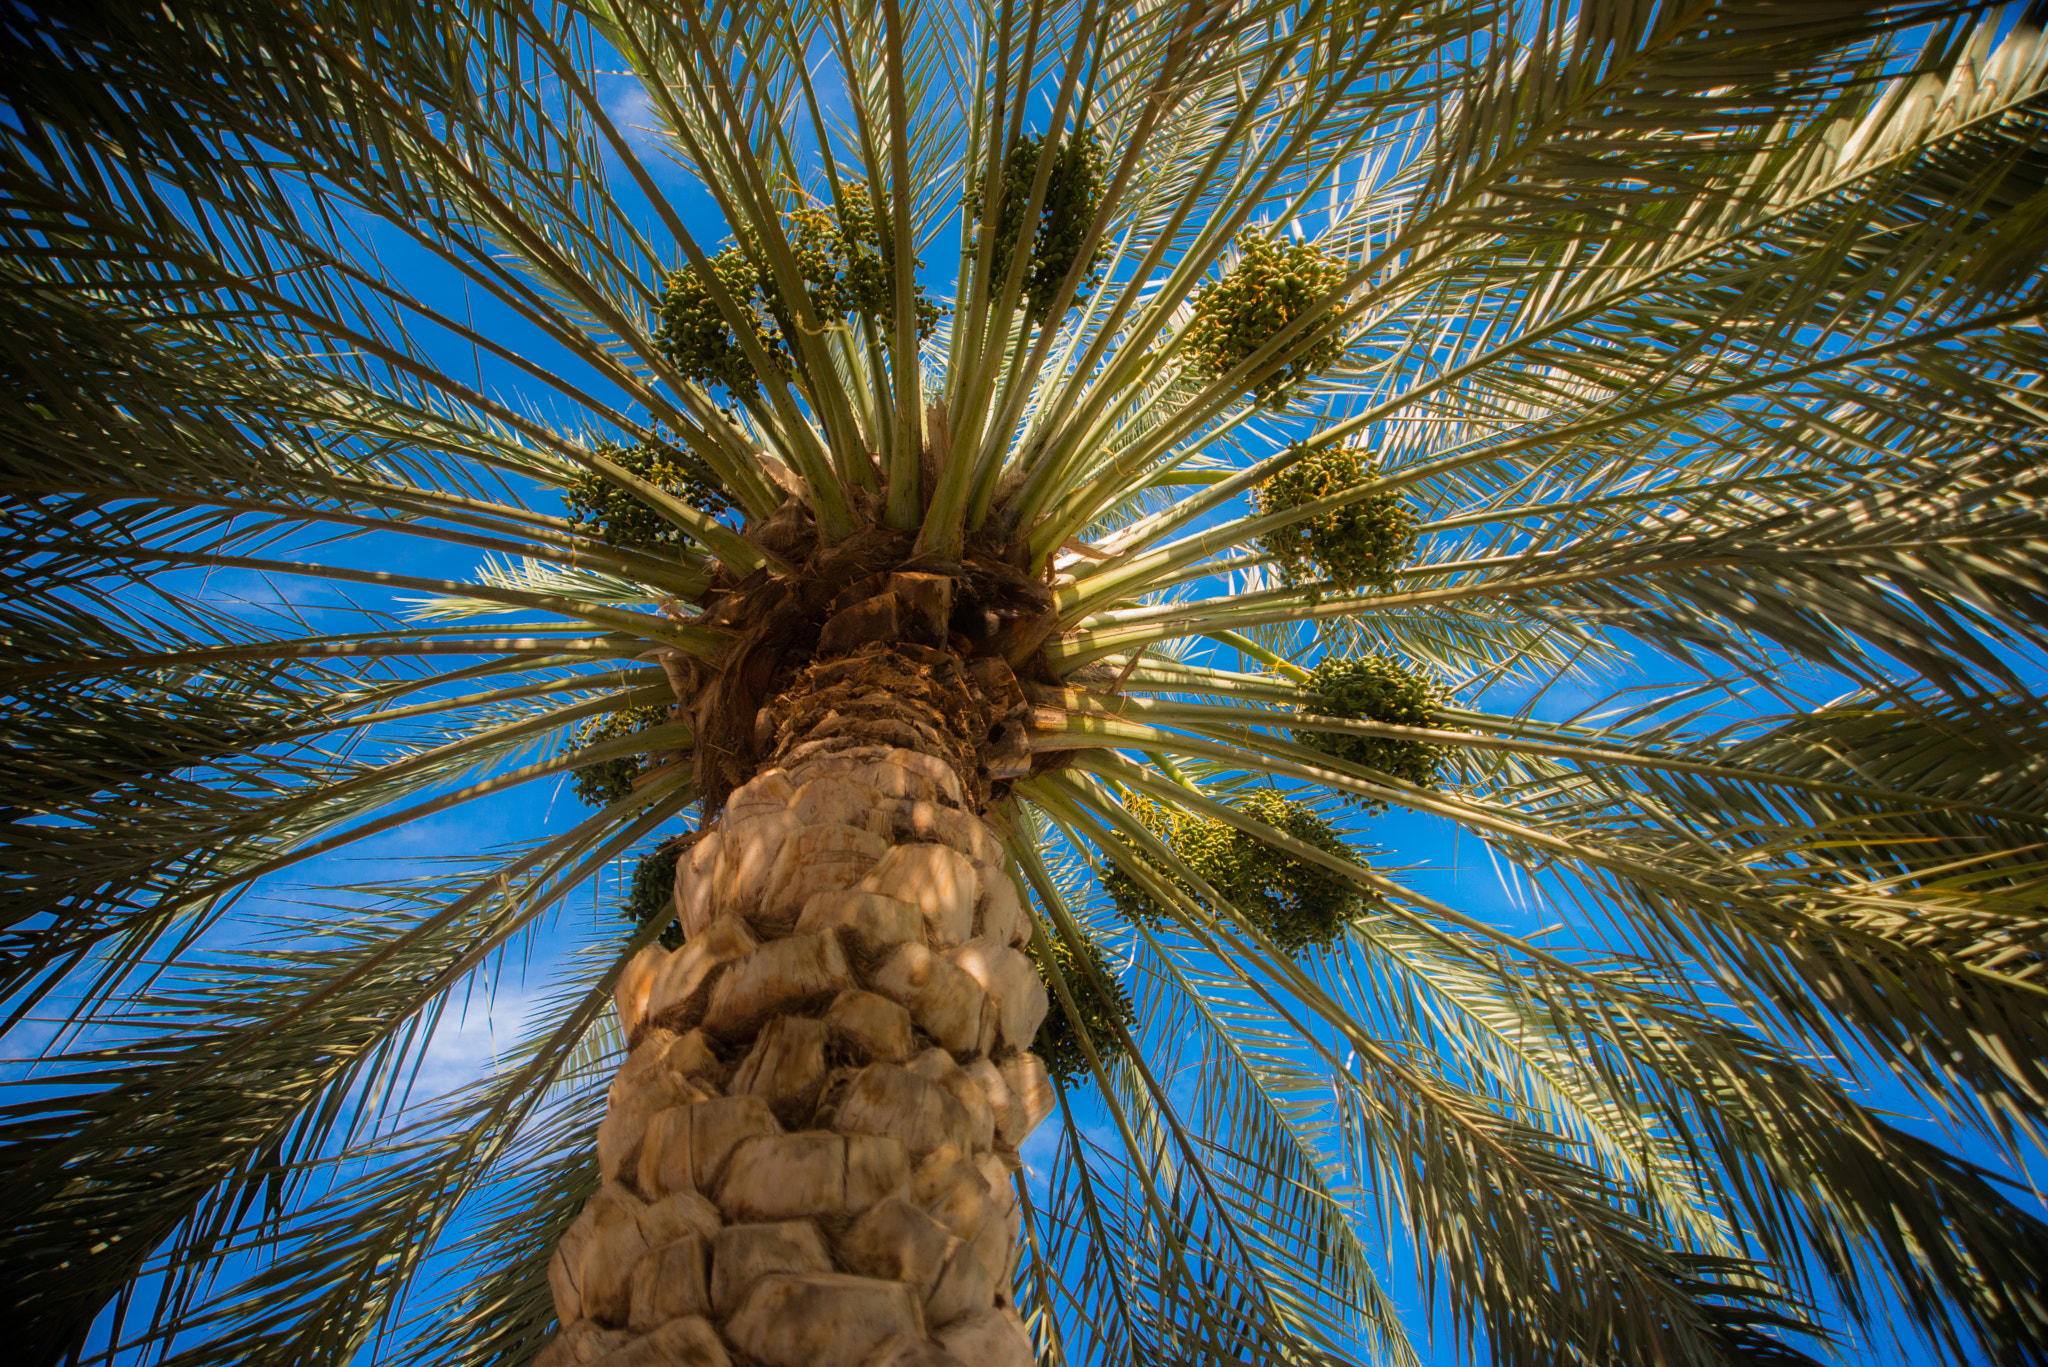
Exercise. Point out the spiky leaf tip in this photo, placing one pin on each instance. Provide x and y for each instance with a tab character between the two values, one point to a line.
606	781
1273	284
1382	689
1363	544
1057	1043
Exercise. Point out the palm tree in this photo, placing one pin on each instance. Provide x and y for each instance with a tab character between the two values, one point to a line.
1044	482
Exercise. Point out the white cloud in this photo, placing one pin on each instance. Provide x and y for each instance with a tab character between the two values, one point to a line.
479	1032
628	105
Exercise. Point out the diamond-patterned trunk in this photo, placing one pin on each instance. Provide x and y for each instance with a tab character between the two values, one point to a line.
808	1153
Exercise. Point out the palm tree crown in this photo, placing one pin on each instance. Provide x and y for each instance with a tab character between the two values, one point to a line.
1244	414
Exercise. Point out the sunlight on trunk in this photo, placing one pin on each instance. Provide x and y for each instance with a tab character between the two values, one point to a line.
808	1154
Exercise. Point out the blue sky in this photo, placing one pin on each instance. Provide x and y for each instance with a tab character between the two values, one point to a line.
512	995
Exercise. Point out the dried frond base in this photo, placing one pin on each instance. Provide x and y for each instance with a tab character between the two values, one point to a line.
863	646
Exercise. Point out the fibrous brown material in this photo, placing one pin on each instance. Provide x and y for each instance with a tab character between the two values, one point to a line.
895	693
809	1149
915	653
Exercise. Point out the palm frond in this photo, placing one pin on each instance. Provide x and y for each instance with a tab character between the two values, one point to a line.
1700	347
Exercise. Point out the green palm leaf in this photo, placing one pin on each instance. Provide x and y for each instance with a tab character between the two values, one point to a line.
395	418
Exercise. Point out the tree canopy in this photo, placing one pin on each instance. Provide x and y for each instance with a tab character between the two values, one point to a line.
1325	392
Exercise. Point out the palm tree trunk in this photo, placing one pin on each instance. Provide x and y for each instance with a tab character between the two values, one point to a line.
808	1154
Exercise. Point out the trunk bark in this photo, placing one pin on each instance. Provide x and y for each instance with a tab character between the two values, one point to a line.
807	1156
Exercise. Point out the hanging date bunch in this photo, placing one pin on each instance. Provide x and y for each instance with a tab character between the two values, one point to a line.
1273	284
602	509
697	339
1057	1042
836	251
1362	544
1073	191
1377	688
608	780
1299	904
651	894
